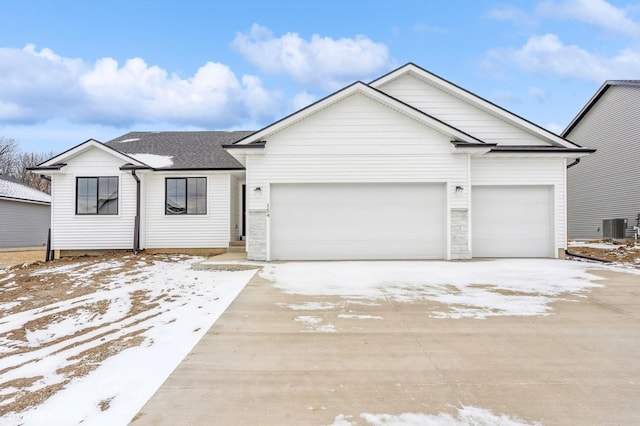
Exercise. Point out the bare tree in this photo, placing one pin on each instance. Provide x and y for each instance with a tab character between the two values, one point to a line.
8	154
31	159
15	164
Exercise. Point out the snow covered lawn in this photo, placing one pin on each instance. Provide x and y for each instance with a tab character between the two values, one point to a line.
90	340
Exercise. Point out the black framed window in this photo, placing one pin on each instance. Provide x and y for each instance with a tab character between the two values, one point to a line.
186	195
97	195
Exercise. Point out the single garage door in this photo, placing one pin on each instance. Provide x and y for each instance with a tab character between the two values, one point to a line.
512	221
357	221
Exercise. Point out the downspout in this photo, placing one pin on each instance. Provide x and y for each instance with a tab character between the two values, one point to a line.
50	254
574	163
566	251
136	225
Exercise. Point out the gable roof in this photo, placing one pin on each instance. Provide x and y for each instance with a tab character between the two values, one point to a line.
11	188
366	90
182	150
594	99
161	151
477	101
57	162
457	135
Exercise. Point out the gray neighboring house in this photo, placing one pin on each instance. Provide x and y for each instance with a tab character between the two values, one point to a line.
25	215
606	185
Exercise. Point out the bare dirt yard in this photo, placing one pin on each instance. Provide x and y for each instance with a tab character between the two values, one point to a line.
61	321
12	258
627	253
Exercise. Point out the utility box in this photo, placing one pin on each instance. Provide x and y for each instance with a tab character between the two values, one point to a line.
613	228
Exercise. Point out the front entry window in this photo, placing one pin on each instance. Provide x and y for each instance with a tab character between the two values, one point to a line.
186	196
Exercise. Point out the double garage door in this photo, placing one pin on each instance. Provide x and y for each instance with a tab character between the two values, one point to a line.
357	221
405	221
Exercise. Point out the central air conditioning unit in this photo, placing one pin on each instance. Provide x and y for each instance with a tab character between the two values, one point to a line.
613	228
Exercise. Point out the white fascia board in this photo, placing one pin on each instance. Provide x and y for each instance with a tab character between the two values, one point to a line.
22	200
91	143
568	155
474	99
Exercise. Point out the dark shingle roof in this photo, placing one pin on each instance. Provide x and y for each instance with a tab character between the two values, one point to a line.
188	150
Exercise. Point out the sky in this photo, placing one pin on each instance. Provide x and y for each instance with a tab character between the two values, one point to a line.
72	70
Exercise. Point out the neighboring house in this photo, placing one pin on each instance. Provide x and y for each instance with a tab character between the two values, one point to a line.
409	166
25	215
606	185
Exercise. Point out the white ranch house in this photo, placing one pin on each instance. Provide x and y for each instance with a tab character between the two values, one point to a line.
409	166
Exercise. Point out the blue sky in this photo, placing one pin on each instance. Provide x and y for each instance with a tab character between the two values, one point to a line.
71	70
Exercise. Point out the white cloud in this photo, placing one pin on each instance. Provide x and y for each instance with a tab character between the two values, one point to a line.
37	86
538	94
502	97
593	12
514	15
555	128
301	100
319	62
546	54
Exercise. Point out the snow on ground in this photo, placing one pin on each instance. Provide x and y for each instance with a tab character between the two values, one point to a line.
466	416
103	351
593	244
476	289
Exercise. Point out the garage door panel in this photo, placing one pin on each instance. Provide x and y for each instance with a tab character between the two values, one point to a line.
512	221
357	221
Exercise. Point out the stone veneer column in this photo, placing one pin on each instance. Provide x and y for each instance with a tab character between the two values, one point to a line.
460	234
257	235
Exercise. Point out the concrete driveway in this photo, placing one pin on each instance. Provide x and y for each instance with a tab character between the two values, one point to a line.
269	361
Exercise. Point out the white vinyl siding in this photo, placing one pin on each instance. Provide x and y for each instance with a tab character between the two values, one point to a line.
523	172
356	140
512	221
73	232
606	185
210	230
358	221
458	112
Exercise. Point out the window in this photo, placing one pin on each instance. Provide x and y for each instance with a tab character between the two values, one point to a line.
186	196
97	195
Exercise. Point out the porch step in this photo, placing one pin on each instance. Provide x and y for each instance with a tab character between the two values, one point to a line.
237	247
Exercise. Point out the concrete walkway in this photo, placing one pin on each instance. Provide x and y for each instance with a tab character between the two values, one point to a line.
260	364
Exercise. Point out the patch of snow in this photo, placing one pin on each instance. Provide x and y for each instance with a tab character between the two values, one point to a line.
11	189
354	316
326	328
465	416
309	306
307	319
188	303
154	160
129	140
521	287
603	246
315	324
